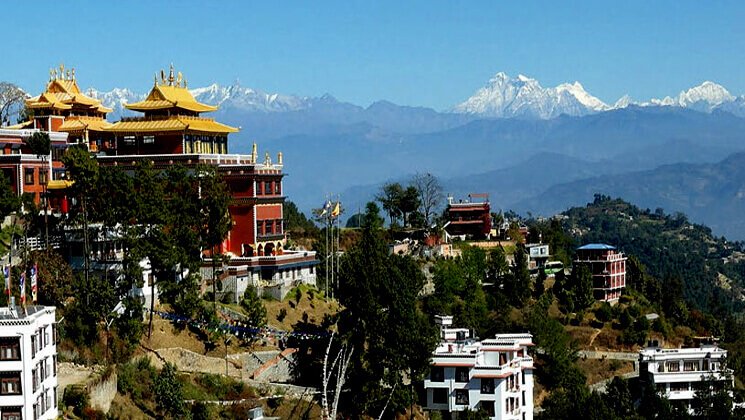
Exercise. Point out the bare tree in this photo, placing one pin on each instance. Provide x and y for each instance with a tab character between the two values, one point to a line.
430	194
11	102
340	363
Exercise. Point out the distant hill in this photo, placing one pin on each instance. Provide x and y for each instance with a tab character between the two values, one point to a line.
713	194
669	246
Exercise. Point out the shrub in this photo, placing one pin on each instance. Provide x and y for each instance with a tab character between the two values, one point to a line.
75	396
282	314
604	313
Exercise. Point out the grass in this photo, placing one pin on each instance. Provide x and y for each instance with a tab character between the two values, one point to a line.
301	302
597	370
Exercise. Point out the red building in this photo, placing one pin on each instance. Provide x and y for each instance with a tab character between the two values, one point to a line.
469	218
171	130
608	269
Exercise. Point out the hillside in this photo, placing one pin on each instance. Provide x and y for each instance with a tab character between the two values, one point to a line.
713	194
709	269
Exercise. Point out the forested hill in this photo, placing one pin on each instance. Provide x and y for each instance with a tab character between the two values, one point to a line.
684	257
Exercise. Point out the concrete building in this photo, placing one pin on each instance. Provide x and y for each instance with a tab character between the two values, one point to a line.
538	255
28	363
608	269
494	375
469	219
678	372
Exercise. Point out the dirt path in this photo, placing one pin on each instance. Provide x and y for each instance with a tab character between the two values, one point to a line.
594	336
70	374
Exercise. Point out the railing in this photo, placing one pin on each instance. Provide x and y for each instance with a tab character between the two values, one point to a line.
37	243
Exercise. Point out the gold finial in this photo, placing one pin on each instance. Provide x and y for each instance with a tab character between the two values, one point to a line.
67	75
73	73
186	86
62	69
267	159
155	79
179	79
52	74
162	77
254	153
279	158
170	76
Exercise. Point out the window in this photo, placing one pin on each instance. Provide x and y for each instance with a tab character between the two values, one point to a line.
461	374
129	140
33	346
10	348
673	367
461	396
679	386
28	176
487	385
148	140
42	177
268	225
278	188
268	187
11	413
488	408
10	383
440	396
706	365
690	366
437	374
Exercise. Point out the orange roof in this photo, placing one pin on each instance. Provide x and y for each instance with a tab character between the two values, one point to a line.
170	96
176	123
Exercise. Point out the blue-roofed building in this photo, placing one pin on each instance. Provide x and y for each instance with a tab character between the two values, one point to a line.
608	269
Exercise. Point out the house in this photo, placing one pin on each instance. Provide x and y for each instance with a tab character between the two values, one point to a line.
28	363
494	375
468	219
538	255
678	372
608	269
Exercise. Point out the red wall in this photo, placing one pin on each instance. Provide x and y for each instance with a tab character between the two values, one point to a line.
243	228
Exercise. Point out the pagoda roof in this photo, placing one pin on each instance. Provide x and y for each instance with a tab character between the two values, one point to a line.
80	123
174	123
62	93
170	96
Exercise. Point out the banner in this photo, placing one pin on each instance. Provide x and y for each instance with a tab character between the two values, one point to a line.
23	288
6	271
34	275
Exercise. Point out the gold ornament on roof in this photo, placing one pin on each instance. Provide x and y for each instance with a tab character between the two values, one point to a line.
52	74
170	76
73	73
179	79
267	159
162	77
67	75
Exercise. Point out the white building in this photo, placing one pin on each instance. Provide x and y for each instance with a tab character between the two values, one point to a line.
28	363
494	375
677	372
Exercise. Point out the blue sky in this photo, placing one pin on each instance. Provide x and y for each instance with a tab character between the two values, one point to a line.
429	53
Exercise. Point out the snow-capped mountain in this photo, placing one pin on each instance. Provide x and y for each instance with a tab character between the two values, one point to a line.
233	96
523	96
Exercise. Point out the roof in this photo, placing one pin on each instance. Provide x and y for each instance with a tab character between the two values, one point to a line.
175	123
63	93
170	96
597	247
58	184
79	123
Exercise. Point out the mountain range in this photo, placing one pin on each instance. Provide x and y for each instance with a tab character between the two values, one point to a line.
514	139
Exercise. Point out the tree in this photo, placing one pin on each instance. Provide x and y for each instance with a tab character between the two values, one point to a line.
390	196
169	393
254	308
581	283
11	102
55	278
430	195
295	220
372	219
517	285
408	204
381	320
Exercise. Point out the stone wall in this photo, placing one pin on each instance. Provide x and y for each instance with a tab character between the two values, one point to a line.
102	391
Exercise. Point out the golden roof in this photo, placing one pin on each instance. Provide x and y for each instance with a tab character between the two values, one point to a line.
58	184
80	123
175	123
20	126
62	93
171	92
165	97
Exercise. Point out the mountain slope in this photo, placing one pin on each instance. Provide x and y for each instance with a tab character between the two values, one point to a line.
713	194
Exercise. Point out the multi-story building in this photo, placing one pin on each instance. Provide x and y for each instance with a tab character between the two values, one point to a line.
678	372
608	269
470	218
494	375
170	131
28	363
538	255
